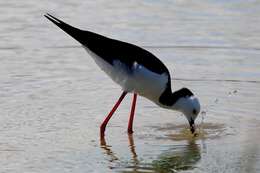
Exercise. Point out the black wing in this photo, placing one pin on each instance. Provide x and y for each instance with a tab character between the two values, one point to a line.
110	49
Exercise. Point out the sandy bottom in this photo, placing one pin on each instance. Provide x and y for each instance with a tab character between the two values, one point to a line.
203	131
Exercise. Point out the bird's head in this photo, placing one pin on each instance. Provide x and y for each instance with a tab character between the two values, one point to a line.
188	104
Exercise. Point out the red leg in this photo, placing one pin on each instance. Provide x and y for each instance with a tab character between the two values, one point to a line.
131	117
104	124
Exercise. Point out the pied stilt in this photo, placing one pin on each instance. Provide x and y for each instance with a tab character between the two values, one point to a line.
136	70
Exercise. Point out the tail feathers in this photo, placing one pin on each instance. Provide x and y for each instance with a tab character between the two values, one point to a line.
58	22
81	36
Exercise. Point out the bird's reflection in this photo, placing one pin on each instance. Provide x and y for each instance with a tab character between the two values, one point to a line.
176	158
108	150
183	157
135	160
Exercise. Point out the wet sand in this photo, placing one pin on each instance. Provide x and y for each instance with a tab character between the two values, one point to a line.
53	97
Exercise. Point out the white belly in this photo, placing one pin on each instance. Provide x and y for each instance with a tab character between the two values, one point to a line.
138	79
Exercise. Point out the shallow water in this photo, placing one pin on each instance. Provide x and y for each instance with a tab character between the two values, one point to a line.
53	97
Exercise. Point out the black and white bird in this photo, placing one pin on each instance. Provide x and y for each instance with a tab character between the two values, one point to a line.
136	70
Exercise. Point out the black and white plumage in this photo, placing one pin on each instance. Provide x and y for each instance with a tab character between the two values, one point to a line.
136	70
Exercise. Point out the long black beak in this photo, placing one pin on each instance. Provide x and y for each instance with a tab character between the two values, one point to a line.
192	126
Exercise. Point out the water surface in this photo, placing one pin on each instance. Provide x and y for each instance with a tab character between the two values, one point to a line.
53	97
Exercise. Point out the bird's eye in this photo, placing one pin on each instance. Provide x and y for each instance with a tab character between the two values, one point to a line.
194	111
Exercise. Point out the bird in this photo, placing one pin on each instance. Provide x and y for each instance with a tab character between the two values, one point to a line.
136	70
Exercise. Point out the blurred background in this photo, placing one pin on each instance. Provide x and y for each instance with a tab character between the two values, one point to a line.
53	97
